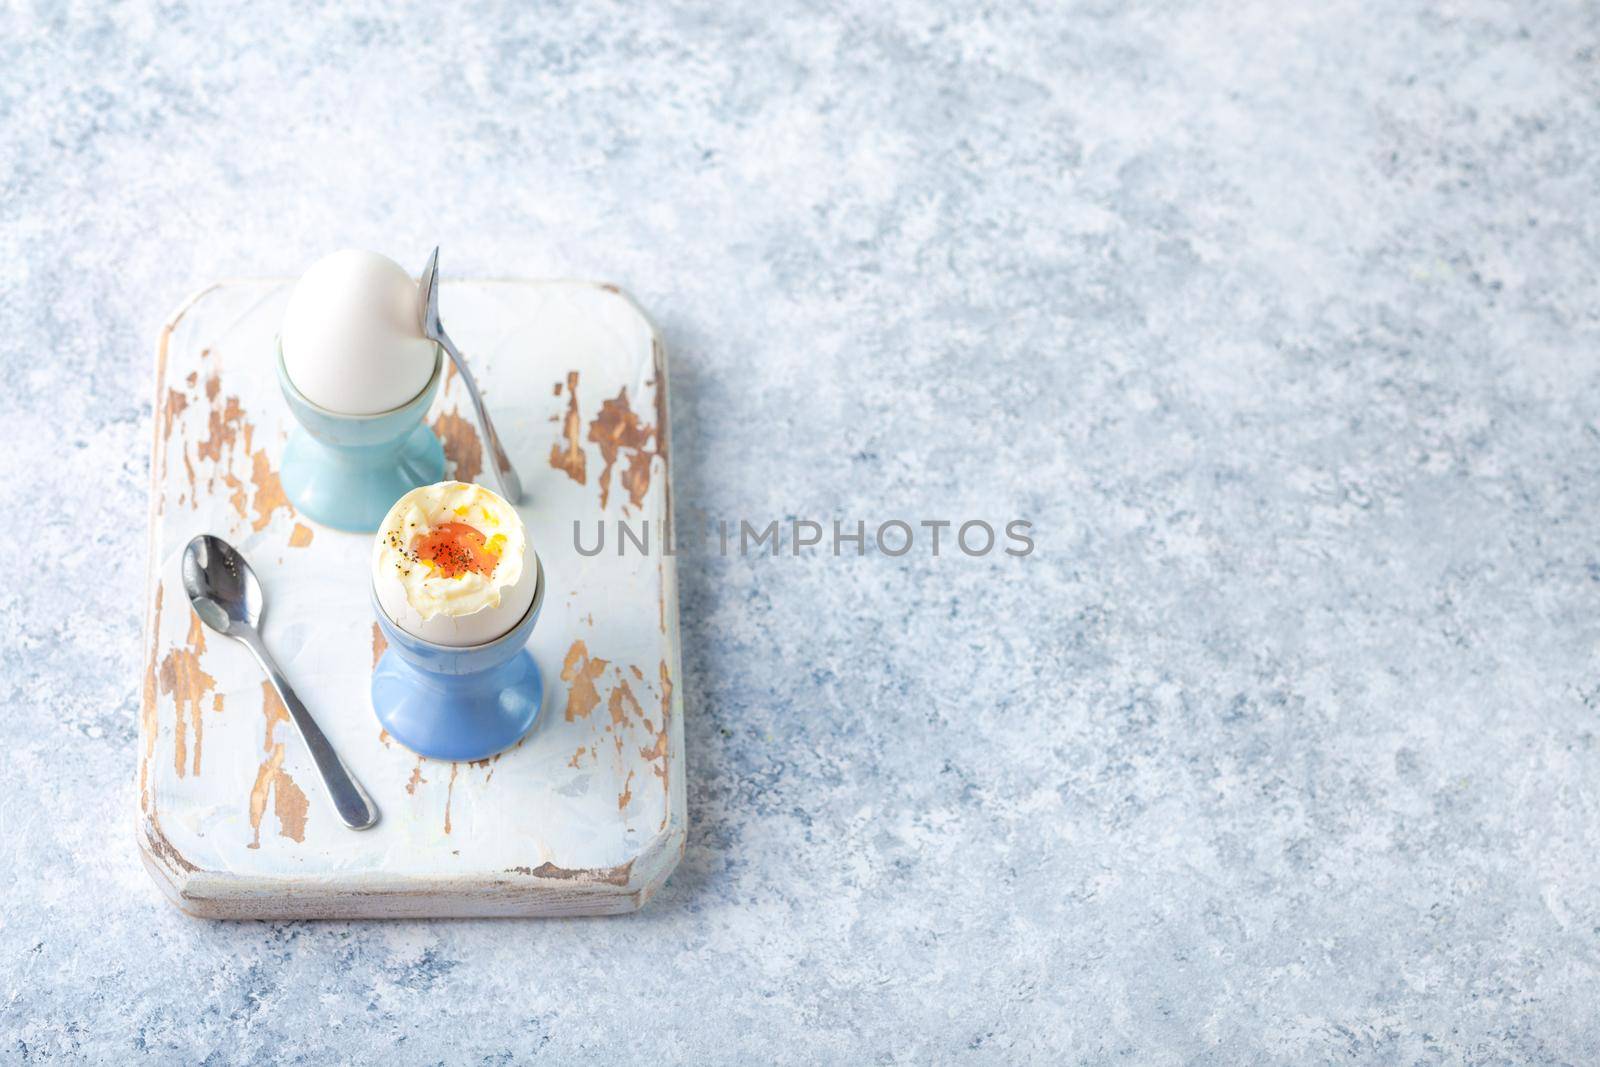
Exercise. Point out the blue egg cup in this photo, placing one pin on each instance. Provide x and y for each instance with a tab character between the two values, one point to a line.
346	471
458	703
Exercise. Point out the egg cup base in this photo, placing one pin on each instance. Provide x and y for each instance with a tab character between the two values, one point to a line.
347	490
457	716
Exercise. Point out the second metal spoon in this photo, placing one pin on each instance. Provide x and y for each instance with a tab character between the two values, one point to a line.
433	329
227	596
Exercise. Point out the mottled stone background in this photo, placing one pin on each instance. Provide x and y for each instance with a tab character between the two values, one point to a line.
1277	320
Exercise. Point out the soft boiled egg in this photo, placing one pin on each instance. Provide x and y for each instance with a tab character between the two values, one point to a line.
452	565
352	340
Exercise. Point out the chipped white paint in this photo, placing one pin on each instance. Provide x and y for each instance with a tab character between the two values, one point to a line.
586	816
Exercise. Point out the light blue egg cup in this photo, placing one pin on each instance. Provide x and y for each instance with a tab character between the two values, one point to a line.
458	703
346	471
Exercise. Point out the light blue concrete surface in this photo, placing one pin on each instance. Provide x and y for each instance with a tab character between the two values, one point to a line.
1277	320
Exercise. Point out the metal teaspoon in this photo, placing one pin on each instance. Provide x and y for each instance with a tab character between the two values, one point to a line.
227	596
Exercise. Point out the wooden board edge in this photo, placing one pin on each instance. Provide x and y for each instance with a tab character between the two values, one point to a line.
148	711
540	892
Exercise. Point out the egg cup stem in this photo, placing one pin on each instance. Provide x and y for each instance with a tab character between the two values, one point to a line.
352	488
457	716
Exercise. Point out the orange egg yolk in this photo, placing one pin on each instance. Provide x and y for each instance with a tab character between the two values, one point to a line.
454	548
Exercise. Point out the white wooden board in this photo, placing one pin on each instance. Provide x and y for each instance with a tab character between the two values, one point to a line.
586	815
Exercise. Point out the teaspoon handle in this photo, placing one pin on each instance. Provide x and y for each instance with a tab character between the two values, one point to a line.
355	808
510	484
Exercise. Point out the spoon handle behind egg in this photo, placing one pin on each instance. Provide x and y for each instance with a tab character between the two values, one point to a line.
505	474
355	808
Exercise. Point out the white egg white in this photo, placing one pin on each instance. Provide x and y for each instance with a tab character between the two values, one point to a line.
352	342
467	610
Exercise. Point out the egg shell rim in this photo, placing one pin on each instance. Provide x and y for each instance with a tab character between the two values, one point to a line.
533	605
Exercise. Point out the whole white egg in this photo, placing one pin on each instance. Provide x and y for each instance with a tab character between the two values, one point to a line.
352	342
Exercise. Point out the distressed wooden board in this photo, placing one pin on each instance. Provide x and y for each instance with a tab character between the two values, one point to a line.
586	815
